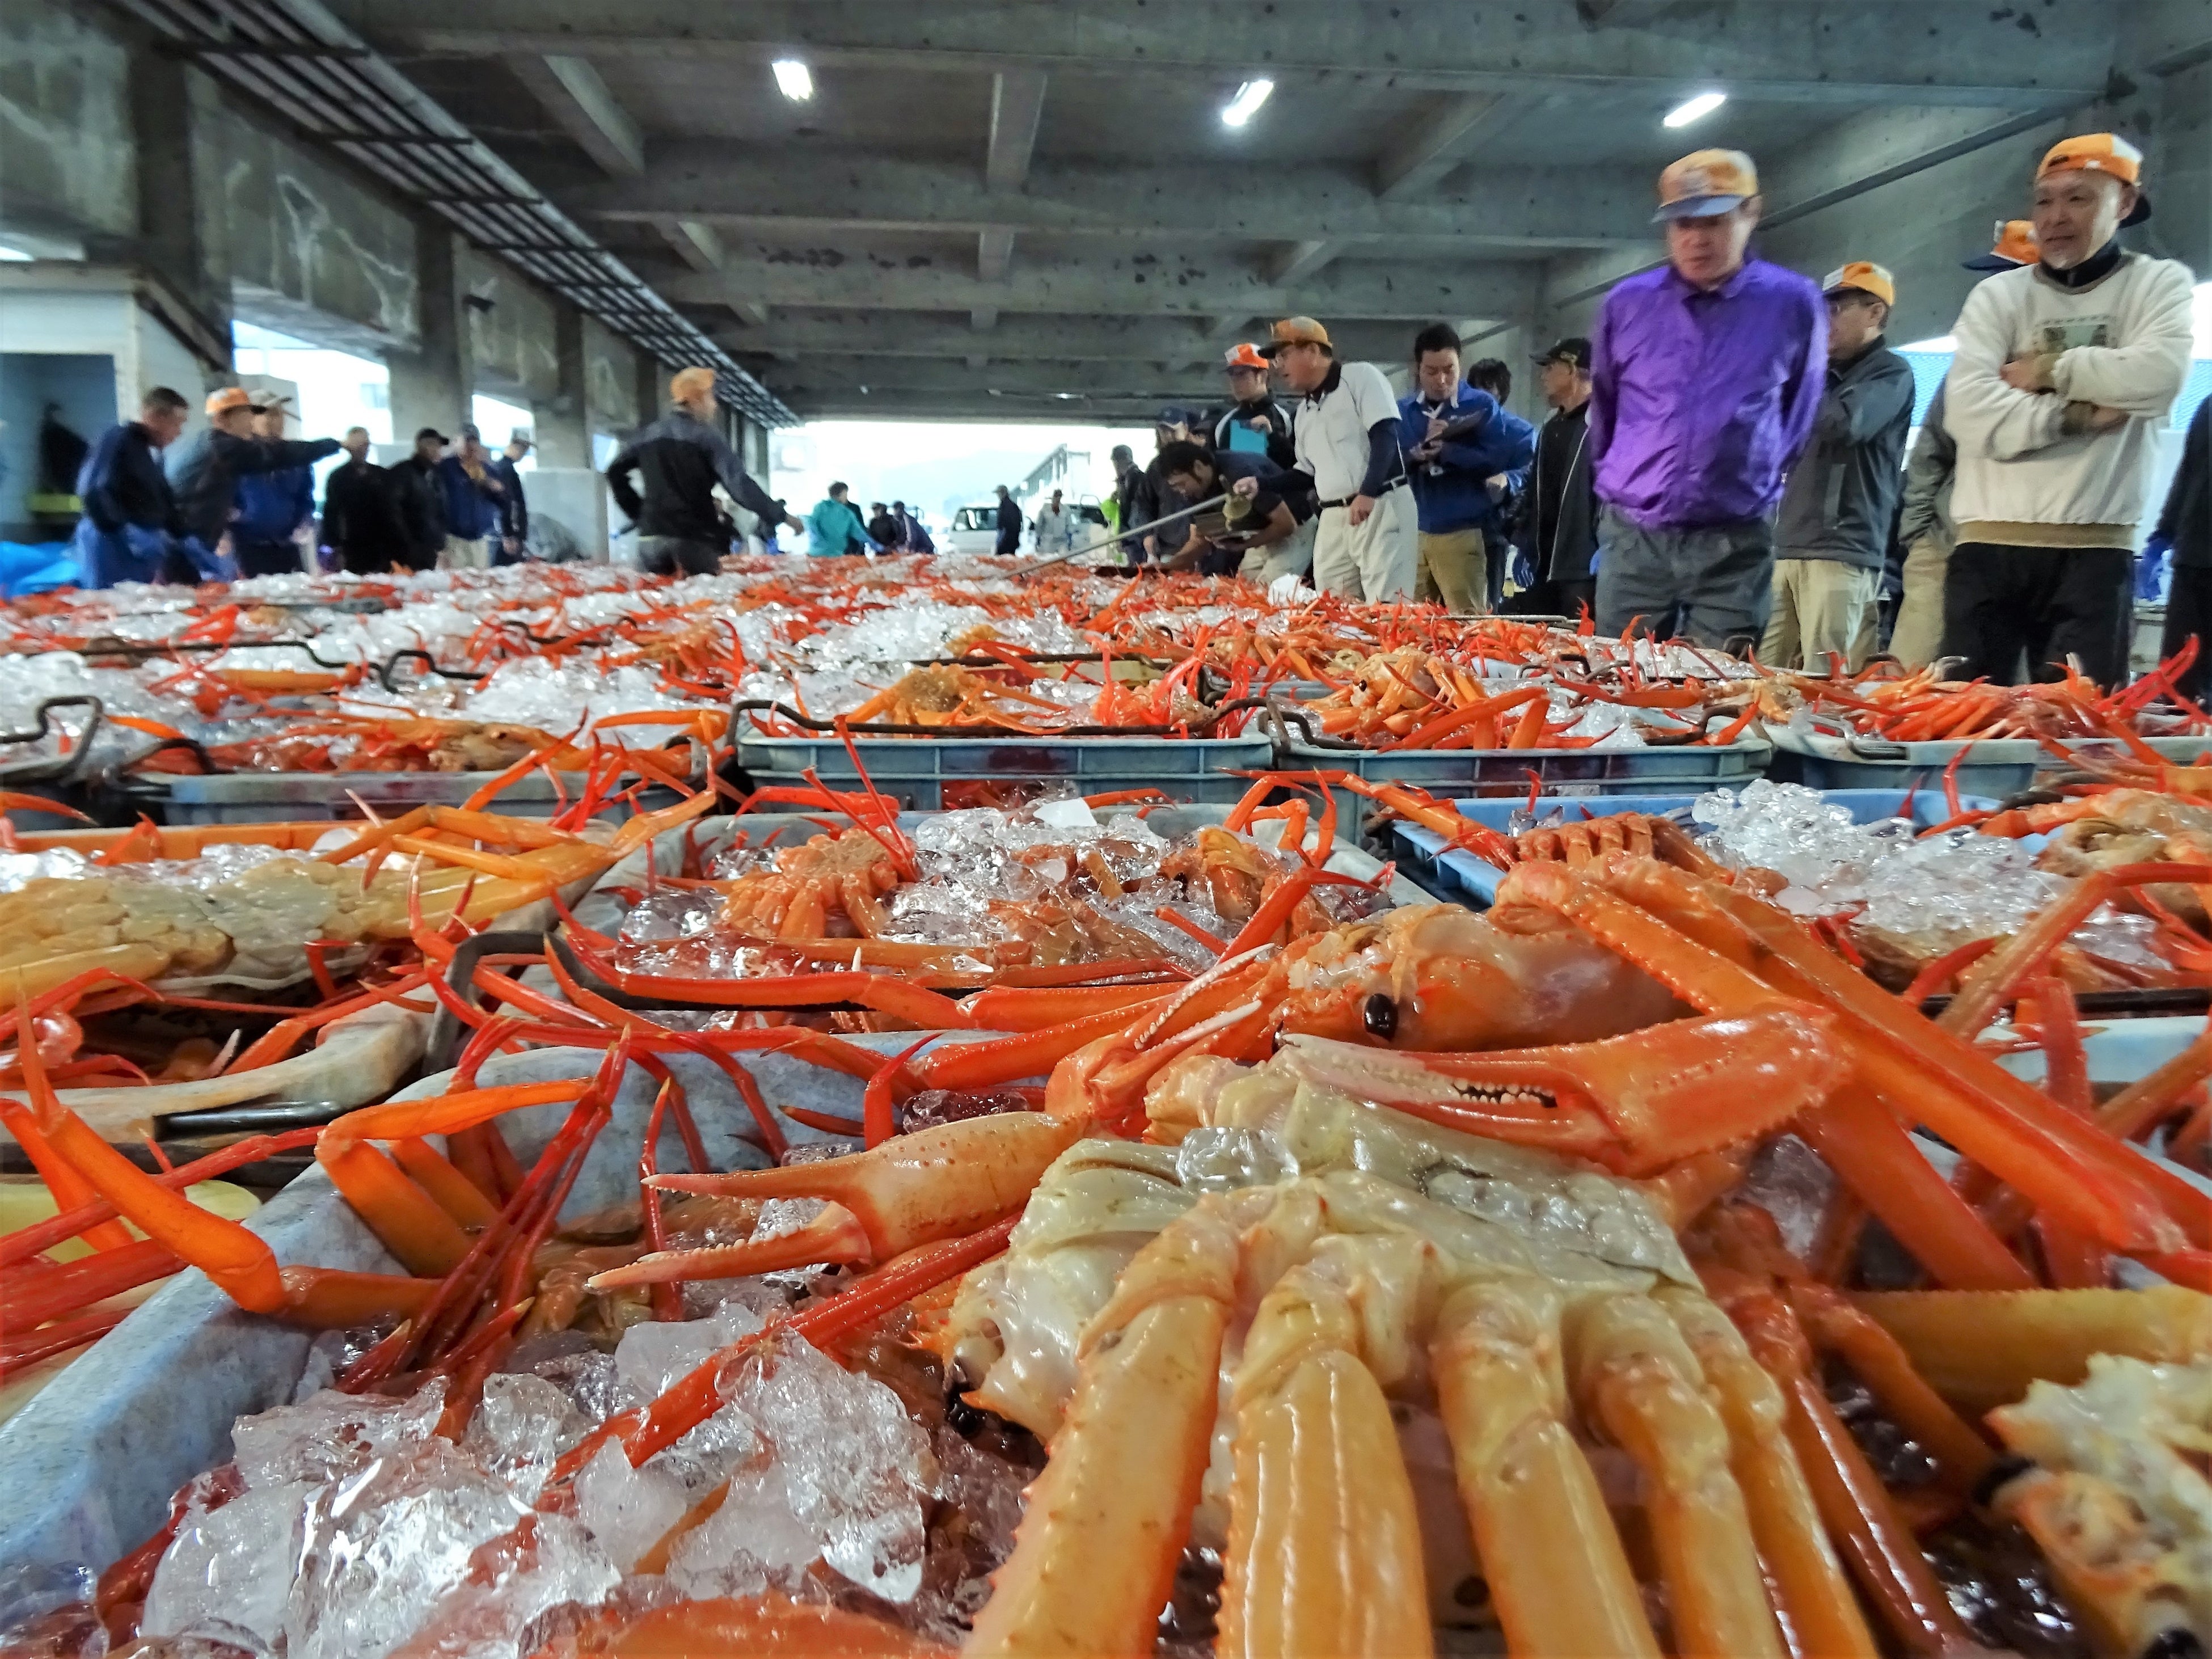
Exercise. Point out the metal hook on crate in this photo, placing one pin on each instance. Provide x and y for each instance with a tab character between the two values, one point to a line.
429	665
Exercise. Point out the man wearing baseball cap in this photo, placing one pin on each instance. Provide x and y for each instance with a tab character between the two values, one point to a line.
1920	551
1707	377
1345	434
203	473
1253	421
1555	524
2065	371
1832	533
682	456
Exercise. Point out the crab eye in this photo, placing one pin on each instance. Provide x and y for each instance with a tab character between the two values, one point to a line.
1381	1016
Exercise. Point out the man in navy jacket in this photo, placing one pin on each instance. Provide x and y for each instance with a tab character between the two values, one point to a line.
131	519
1455	439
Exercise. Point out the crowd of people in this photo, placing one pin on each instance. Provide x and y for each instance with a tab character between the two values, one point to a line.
238	498
1724	460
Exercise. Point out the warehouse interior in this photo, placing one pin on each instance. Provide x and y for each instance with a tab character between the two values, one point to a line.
983	212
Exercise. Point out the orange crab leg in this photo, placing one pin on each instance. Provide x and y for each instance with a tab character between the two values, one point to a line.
1926	1073
1638	1104
1015	1009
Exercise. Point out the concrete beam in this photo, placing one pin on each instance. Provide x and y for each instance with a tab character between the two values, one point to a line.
572	93
1069	380
1016	106
1846	160
994	255
1065	339
699	245
1297	261
1028	408
1139	284
1432	145
793	191
1834	51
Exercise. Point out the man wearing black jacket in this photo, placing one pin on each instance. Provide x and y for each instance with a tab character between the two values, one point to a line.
418	499
2185	527
129	516
361	523
682	456
1556	522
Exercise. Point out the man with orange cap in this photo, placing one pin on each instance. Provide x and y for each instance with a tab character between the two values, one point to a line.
203	472
1706	378
2065	372
1253	421
1832	531
682	456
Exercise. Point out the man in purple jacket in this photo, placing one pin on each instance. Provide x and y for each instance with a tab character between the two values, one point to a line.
1707	376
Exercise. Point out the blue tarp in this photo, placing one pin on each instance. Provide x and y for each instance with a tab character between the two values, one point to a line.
36	568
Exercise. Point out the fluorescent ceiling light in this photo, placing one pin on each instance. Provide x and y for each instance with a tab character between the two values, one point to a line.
1695	109
794	80
1938	345
12	253
1246	104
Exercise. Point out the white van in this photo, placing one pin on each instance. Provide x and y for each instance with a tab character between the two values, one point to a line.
975	529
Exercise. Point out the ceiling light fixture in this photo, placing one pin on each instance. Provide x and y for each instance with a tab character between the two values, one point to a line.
1695	109
794	80
1246	104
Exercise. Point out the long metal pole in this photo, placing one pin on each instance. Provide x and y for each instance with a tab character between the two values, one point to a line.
1116	536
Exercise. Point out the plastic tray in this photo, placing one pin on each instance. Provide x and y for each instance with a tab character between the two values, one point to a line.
1503	773
1459	876
93	1459
913	771
1999	766
275	797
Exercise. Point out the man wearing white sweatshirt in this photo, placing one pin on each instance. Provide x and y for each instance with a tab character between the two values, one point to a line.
2064	372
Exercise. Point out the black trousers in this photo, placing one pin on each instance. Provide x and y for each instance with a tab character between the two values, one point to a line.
678	555
2042	605
266	558
1563	598
2188	614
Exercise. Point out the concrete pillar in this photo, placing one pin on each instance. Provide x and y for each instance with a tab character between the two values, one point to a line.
431	385
563	428
653	377
172	247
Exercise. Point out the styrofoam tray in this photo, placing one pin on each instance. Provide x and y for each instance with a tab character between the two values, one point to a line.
1465	878
92	1461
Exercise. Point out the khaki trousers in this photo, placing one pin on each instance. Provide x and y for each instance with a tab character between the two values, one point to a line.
1291	556
1820	606
1375	562
1917	639
466	553
1453	571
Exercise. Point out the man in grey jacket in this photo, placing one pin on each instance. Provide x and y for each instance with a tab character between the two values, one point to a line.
1832	527
203	474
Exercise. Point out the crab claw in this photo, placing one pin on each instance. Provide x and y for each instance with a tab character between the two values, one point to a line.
1635	1104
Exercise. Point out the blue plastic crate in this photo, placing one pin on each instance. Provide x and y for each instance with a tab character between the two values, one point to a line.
1460	877
913	771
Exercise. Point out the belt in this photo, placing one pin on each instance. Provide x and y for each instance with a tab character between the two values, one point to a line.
1348	499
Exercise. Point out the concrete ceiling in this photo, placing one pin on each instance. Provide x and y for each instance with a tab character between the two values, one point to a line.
1033	209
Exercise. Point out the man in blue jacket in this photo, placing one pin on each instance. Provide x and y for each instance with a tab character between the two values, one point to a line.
270	508
471	496
129	516
1455	439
